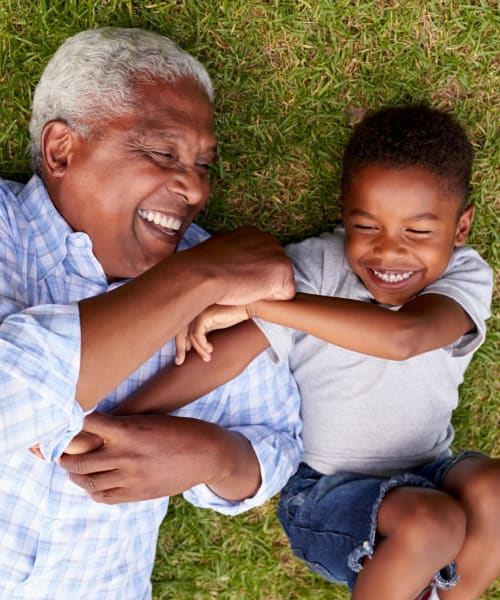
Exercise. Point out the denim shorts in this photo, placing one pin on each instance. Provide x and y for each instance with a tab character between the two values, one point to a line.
331	520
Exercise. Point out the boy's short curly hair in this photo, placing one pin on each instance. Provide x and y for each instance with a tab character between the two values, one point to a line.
412	135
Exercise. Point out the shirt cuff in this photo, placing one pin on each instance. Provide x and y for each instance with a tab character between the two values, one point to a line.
278	454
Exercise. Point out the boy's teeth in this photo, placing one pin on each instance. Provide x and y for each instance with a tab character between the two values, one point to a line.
160	219
391	276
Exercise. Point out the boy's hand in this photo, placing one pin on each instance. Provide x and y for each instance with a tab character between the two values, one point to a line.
214	317
182	345
195	336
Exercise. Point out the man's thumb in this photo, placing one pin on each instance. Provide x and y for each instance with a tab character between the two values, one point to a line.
98	423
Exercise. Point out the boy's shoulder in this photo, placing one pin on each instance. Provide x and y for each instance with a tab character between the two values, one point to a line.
466	266
330	242
321	267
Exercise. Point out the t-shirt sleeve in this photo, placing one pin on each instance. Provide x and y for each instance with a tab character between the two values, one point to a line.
468	280
317	266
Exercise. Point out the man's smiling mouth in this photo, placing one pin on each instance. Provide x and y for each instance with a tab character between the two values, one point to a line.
171	225
392	276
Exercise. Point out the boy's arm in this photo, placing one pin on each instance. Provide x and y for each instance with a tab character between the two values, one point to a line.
425	323
175	386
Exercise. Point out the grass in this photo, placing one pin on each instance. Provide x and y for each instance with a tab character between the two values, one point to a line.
288	74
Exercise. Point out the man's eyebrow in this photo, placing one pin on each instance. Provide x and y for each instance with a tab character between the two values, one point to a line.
157	137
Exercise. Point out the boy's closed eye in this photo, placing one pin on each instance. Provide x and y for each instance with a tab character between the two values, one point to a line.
365	227
419	232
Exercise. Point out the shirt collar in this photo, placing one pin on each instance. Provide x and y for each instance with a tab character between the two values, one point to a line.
52	235
51	232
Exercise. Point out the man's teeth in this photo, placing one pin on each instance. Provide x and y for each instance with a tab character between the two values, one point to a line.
391	276
160	219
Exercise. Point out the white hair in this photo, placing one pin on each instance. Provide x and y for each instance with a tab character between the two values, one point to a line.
91	78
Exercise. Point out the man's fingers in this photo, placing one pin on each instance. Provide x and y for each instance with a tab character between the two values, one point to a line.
102	487
97	482
100	424
97	461
252	265
83	442
36	451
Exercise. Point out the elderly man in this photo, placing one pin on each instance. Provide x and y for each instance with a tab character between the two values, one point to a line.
91	294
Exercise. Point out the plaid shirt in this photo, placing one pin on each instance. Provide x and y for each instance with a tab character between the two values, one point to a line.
56	543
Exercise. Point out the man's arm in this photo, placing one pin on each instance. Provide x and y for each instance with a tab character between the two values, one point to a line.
151	456
248	451
174	387
125	327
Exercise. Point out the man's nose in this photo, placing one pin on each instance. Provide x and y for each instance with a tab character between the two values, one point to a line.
187	182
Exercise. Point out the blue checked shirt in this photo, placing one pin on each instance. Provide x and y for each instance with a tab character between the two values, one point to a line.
55	542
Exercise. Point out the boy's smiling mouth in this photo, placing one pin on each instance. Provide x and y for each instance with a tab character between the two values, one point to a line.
391	276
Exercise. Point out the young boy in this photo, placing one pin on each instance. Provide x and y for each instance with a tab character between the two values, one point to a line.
379	504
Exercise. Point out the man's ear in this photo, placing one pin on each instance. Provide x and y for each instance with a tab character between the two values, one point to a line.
464	225
57	146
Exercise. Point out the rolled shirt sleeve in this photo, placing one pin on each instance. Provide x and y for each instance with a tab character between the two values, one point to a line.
263	405
39	320
40	357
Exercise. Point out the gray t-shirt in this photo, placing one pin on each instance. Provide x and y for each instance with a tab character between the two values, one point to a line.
371	415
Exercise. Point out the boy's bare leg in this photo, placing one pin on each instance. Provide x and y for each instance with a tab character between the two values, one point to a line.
475	483
423	530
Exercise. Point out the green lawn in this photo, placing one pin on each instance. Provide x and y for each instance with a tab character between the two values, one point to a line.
290	76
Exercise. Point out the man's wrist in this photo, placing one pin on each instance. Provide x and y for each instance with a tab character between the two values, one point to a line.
236	470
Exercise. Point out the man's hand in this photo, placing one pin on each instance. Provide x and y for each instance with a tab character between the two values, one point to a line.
150	456
83	442
252	264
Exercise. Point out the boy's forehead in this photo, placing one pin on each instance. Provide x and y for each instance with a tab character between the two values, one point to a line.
415	188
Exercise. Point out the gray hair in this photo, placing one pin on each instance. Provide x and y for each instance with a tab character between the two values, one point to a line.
91	78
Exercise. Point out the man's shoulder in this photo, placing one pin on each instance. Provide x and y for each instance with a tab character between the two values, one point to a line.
15	192
194	235
10	213
9	190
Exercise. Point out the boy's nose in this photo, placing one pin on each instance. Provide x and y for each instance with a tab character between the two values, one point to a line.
387	244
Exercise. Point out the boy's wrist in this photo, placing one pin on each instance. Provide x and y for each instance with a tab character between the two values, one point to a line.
254	309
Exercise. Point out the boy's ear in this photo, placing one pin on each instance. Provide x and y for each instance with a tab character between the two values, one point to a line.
464	225
57	145
342	206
